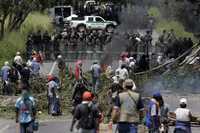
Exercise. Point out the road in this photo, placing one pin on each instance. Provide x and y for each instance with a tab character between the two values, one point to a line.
55	127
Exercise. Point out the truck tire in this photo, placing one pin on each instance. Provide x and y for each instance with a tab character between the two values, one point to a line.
110	28
81	27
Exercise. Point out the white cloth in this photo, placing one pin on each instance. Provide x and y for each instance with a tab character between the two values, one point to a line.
154	109
123	74
132	64
182	114
18	60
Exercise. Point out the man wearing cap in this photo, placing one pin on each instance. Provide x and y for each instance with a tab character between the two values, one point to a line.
87	115
153	115
129	108
96	74
183	117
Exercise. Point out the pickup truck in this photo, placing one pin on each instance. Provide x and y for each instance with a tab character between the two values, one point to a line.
92	22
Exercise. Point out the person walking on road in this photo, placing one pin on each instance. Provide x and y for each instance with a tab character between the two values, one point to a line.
128	109
87	115
25	111
153	115
96	74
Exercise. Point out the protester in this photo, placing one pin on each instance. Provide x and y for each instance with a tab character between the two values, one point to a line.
96	75
128	108
87	115
35	68
153	116
78	70
25	74
62	69
25	111
183	118
18	59
5	77
123	73
52	96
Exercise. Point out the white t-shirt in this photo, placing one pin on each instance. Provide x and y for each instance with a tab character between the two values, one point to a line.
123	74
154	110
182	114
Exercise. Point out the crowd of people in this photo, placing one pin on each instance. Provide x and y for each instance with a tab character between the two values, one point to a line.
17	72
68	39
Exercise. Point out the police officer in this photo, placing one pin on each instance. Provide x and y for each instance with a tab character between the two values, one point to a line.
129	108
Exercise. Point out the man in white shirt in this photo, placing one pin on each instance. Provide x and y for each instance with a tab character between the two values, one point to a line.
123	73
183	117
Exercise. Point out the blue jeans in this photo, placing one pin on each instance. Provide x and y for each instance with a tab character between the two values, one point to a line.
126	128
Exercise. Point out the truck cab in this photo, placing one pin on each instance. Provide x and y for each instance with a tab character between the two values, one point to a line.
93	22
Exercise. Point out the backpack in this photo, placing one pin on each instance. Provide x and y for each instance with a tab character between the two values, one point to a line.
88	122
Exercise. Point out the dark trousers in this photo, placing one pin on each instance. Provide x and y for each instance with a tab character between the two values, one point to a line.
26	127
126	128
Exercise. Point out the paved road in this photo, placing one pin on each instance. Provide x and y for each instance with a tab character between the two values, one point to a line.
54	127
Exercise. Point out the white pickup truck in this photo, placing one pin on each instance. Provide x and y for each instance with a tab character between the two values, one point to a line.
92	22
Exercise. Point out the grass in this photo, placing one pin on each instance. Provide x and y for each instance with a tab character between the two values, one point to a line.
15	41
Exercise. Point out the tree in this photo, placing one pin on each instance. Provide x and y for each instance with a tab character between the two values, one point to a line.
14	12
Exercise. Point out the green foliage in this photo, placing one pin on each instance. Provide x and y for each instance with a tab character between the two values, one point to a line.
172	24
154	12
15	41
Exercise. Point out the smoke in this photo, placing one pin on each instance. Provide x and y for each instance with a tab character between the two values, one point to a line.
132	18
182	81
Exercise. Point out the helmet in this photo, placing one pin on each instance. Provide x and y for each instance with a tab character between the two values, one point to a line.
183	101
87	96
